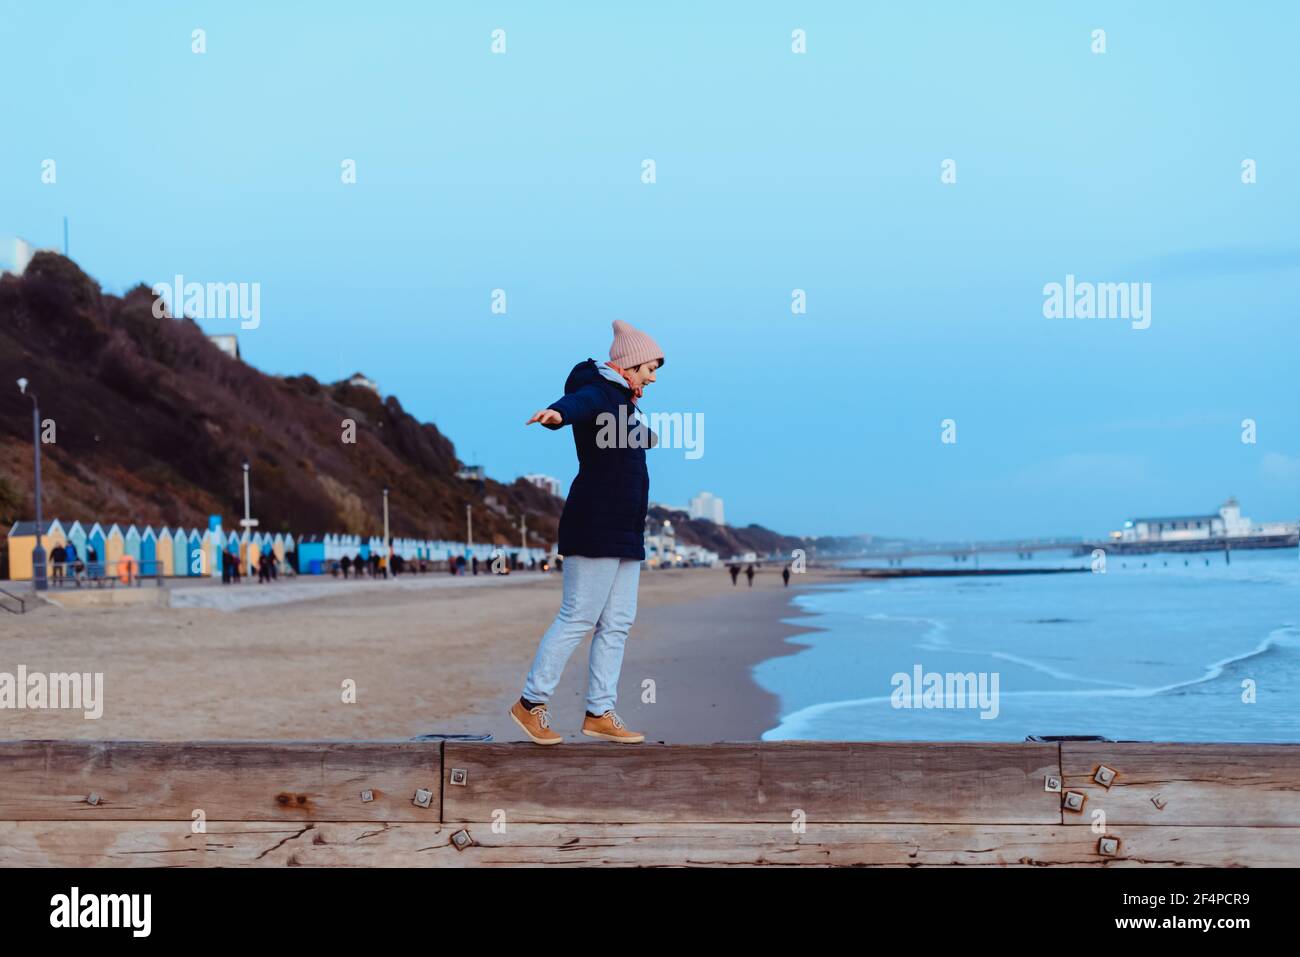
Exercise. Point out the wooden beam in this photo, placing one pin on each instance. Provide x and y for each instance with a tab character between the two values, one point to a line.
233	781
1255	785
338	844
749	783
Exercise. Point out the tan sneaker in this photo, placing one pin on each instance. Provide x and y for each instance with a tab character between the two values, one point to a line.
610	727
535	723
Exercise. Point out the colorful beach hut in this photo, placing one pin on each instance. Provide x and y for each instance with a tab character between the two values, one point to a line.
194	554
311	555
77	539
149	552
209	544
163	553
97	540
114	549
131	543
22	542
180	553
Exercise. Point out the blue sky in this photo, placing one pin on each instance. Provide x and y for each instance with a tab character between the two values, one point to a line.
775	171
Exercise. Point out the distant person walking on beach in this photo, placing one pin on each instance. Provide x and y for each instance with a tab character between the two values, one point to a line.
785	576
735	573
601	534
749	574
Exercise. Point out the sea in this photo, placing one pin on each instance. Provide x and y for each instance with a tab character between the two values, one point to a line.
1163	647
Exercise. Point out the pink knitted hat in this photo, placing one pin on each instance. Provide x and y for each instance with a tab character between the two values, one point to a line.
631	347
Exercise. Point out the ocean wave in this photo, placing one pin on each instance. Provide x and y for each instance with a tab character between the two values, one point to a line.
1285	638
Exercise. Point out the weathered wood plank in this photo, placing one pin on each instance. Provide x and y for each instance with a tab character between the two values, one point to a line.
748	783
1196	784
237	781
268	844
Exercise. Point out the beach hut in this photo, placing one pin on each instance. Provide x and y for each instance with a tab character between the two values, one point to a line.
194	554
277	546
77	539
131	543
149	552
210	544
311	555
22	542
163	553
95	539
114	549
180	553
252	552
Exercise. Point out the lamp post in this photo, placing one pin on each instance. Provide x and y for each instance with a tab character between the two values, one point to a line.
388	554
39	582
469	527
248	523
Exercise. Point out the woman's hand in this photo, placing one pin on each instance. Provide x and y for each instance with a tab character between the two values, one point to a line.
546	417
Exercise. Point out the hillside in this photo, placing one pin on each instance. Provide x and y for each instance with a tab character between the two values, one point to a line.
152	423
729	541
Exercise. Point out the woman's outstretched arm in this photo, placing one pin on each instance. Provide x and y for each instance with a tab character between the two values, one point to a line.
573	409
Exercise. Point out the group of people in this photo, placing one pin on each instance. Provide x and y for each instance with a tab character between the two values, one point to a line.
734	570
377	566
64	558
267	566
499	564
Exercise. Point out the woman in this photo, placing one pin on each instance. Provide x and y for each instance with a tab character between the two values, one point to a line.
601	534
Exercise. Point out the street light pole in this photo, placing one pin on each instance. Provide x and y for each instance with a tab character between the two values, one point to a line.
469	527
249	523
39	581
388	555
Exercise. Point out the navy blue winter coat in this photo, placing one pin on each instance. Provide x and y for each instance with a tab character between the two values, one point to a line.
604	515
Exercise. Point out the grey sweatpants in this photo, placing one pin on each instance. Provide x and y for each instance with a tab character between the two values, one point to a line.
599	593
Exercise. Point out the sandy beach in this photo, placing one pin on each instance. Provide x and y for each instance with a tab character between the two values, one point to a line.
436	656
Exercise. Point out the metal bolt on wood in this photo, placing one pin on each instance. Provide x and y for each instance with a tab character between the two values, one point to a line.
461	839
367	797
1073	801
1108	846
1105	776
459	776
1052	783
92	799
423	797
